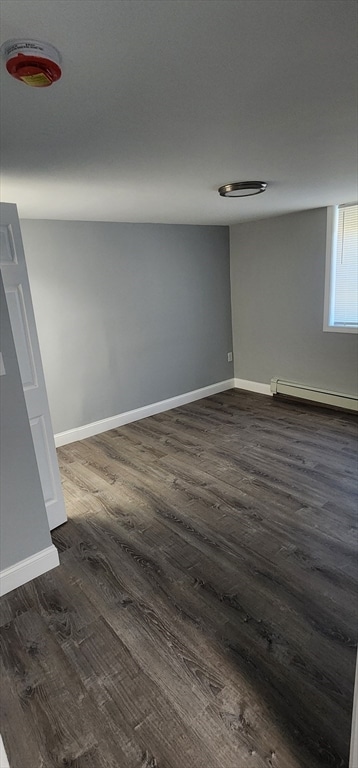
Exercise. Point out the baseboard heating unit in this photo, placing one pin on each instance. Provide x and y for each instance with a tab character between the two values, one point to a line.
304	392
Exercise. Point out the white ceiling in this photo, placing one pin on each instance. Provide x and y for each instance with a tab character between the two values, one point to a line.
162	101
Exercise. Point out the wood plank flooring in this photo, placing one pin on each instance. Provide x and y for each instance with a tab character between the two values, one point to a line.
204	613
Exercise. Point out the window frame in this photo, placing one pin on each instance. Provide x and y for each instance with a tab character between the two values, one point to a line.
331	238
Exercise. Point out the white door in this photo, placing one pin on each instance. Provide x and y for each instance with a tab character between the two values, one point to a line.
17	289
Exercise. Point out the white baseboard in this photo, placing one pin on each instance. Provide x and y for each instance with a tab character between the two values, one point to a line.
25	570
353	758
4	763
112	422
253	386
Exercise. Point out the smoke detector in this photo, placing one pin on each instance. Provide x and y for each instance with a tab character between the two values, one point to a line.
31	61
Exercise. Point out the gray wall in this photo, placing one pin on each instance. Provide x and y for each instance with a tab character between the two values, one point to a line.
127	314
23	522
277	291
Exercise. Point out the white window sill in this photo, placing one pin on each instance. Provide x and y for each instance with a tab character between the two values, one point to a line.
340	329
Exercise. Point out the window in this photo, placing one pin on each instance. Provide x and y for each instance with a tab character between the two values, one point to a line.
341	289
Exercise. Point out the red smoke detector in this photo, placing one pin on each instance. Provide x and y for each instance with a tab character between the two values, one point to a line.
35	63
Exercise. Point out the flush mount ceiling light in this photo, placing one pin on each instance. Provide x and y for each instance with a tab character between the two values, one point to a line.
242	188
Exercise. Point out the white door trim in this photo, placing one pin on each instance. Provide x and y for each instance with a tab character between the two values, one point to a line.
23	326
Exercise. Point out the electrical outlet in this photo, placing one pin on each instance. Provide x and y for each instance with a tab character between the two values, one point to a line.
229	357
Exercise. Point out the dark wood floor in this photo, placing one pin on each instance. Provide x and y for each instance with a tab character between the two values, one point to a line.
204	614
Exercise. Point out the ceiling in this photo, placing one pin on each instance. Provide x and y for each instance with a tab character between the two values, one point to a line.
162	101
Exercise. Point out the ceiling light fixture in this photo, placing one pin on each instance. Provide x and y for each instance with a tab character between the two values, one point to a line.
242	188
